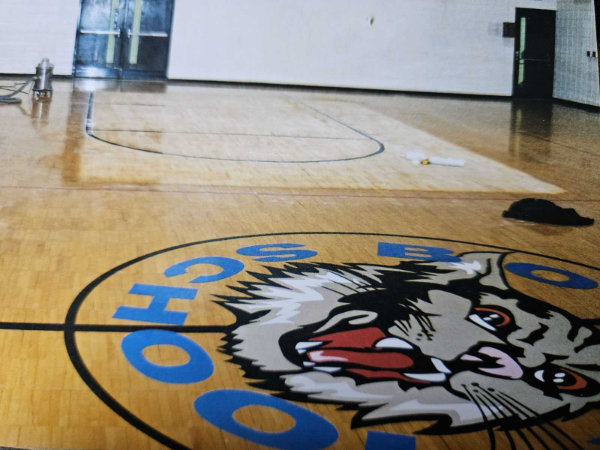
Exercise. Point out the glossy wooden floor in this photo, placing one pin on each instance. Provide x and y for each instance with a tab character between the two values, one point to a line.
107	174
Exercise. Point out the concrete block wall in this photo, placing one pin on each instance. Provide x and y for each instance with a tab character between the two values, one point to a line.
575	72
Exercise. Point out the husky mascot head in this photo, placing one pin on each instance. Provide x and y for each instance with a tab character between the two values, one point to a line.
448	341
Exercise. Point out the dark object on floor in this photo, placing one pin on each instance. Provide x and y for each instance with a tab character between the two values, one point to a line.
544	211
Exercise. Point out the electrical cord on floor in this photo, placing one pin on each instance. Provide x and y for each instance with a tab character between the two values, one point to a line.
15	89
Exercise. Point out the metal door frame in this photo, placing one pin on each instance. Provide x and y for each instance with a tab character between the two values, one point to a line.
516	52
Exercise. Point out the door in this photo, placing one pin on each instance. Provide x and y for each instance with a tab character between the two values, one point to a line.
534	53
123	39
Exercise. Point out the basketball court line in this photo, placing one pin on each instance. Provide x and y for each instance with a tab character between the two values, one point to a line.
84	327
479	220
109	400
89	129
400	195
70	328
119	408
90	163
389	171
223	134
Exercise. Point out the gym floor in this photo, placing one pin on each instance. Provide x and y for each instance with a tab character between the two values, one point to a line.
224	266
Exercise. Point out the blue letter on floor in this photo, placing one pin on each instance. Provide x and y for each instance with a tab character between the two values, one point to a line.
198	368
420	252
155	312
377	440
311	431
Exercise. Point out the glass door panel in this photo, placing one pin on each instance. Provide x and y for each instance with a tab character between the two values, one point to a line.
98	45
123	38
146	37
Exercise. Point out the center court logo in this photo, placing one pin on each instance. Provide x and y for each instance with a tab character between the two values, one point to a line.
392	328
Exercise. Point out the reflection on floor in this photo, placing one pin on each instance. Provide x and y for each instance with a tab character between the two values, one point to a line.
192	265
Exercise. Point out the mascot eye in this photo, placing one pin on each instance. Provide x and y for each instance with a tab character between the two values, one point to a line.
561	379
491	318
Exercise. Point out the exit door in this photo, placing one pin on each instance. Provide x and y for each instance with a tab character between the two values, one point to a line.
123	39
534	53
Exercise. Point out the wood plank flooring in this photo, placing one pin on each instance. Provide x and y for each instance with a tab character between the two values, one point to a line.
217	266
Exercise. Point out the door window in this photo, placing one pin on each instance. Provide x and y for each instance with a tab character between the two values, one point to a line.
123	38
534	53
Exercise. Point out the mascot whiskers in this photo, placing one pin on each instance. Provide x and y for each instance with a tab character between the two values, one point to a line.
418	340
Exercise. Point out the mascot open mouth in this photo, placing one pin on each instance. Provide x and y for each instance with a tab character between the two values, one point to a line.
369	354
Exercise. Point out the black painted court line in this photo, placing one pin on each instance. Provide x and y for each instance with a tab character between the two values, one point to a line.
70	319
109	400
89	129
106	328
312	108
31	326
71	328
210	133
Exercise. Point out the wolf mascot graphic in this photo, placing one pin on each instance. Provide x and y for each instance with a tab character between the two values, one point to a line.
431	340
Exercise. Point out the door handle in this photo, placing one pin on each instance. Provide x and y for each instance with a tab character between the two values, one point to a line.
160	34
103	32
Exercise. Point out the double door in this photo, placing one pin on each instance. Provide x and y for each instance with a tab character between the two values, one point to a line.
123	39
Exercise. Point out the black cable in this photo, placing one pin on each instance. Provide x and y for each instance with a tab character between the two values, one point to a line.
10	98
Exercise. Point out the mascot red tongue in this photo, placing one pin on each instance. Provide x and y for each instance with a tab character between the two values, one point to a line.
348	348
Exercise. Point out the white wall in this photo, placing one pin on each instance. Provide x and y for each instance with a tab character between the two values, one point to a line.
33	29
418	45
575	73
413	45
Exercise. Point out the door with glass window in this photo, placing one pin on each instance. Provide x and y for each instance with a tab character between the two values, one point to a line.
123	39
534	53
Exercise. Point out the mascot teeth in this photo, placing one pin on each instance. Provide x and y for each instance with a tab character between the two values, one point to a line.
301	347
439	365
431	377
393	342
329	369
